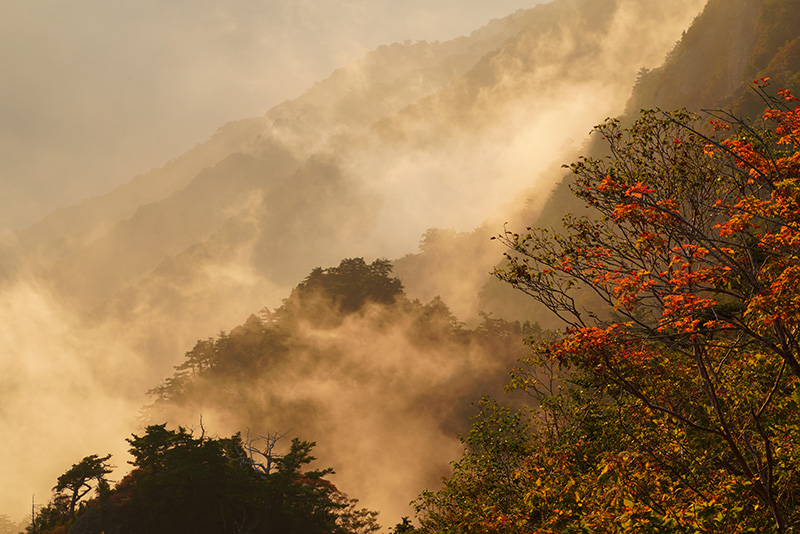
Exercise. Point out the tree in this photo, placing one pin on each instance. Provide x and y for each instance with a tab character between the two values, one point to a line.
681	292
78	480
403	527
261	457
482	495
72	486
182	483
350	285
301	502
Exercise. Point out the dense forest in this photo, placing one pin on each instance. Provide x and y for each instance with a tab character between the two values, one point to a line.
183	483
345	327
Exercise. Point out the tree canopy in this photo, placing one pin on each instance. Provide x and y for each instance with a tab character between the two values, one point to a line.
349	286
182	483
671	402
237	371
79	478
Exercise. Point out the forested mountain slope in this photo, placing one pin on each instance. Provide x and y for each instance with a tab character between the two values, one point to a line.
382	383
676	279
673	400
729	45
713	66
430	134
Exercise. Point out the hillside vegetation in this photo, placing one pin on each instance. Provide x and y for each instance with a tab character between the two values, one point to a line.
630	365
672	403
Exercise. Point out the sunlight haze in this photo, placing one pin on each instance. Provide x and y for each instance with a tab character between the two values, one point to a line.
95	92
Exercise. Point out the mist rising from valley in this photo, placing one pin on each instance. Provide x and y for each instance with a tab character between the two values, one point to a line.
102	300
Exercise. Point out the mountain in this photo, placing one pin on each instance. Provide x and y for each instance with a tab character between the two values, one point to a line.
418	152
729	44
465	125
347	356
410	137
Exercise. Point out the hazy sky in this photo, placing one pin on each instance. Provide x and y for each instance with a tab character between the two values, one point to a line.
93	92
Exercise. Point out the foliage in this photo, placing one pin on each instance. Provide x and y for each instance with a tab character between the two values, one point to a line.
349	287
237	372
79	477
323	299
671	402
182	483
403	527
483	494
72	486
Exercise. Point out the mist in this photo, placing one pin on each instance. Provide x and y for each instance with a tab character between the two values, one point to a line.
62	392
94	92
100	300
330	370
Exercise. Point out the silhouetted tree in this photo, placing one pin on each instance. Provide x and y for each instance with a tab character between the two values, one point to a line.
200	485
78	481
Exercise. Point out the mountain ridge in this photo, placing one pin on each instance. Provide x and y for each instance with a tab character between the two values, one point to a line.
701	71
350	142
744	40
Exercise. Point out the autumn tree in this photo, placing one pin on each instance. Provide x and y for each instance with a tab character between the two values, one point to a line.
482	495
681	295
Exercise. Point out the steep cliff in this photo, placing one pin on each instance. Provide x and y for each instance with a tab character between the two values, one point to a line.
730	43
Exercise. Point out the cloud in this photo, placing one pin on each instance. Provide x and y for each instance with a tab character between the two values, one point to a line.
95	92
65	392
